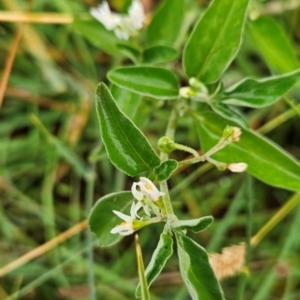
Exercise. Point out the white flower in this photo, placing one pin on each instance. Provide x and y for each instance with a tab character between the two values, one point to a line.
125	228
123	26
184	92
104	15
147	188
237	167
136	14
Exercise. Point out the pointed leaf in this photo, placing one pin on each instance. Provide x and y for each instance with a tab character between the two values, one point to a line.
159	54
274	44
263	92
165	169
266	160
149	81
215	40
195	225
127	101
126	146
158	260
102	219
166	22
196	271
229	113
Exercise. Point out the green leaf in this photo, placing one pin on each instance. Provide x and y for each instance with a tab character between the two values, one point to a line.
196	271
127	101
159	54
263	92
229	113
129	51
95	33
166	23
165	169
148	81
195	225
266	160
126	146
158	260
63	150
215	40
269	38
102	219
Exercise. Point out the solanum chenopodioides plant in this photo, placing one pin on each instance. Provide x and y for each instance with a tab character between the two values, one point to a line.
226	139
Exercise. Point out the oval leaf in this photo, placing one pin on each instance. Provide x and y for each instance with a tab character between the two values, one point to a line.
158	260
102	219
215	40
126	146
159	54
165	170
195	225
166	22
196	271
258	93
149	81
274	44
266	160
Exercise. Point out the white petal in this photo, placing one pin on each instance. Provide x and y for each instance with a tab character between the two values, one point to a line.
122	216
136	14
134	209
136	194
237	167
103	14
122	230
147	210
121	34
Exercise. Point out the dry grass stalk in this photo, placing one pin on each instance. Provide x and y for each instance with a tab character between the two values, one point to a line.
26	17
44	248
228	263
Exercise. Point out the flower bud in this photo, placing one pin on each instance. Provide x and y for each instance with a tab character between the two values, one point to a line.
166	144
237	167
232	133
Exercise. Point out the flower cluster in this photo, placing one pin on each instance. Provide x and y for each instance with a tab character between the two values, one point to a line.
123	26
146	194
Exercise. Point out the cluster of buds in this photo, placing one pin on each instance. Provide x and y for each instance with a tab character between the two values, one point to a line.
195	91
230	134
147	196
123	26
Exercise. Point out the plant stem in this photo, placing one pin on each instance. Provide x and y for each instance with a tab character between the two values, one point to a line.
170	131
166	200
276	219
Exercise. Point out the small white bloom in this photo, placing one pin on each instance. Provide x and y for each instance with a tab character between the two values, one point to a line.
136	14
147	188
145	207
123	26
237	167
125	228
104	15
184	92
